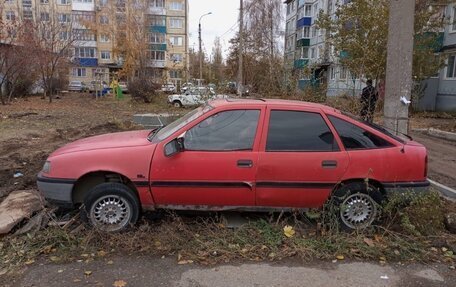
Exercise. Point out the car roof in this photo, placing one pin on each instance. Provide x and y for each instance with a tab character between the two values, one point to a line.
269	102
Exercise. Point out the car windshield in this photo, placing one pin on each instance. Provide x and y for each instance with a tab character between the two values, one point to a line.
400	138
168	130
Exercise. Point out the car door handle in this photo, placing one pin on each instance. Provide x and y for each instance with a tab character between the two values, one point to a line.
245	163
329	164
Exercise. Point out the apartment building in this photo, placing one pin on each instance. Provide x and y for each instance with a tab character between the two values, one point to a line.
308	57
97	24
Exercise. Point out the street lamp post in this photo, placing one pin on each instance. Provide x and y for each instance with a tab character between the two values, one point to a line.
200	51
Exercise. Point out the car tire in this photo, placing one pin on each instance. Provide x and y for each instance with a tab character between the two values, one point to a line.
111	207
358	205
177	104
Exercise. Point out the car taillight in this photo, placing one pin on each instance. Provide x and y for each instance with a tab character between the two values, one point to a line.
425	166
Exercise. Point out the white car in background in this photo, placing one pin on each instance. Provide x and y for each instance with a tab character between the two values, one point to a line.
193	97
168	88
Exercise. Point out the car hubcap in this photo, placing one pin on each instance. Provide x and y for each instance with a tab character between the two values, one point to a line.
358	211
177	105
110	213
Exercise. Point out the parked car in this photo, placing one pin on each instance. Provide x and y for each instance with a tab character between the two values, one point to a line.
168	88
193	97
232	88
77	86
237	154
186	86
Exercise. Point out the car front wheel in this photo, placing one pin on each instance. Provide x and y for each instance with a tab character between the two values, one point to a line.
358	205
111	207
177	104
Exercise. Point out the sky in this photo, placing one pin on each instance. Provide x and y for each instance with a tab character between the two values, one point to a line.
222	22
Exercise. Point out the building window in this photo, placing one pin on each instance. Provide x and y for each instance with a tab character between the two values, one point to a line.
84	35
79	72
343	73
63	35
333	73
157	3
176	40
83	1
451	67
64	18
104	38
83	17
104	19
44	16
85	52
453	19
175	74
304	53
10	15
177	6
44	1
63	2
308	10
176	23
155	20
305	32
27	14
314	31
315	10
177	58
157	38
157	55
312	53
105	55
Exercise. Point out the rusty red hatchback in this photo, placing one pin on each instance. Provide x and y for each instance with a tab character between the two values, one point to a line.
236	155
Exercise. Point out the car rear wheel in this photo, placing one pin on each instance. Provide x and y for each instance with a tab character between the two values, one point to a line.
358	205
111	207
177	104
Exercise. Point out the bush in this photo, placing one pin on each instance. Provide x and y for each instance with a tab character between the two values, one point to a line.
143	89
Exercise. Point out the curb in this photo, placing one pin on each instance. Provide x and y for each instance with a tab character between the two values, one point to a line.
438	133
443	189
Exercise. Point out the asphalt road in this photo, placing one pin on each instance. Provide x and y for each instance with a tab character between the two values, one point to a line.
442	158
153	271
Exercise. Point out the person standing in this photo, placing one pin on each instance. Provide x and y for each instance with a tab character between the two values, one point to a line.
369	98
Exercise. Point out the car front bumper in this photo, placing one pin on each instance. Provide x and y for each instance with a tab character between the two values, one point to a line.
403	187
56	190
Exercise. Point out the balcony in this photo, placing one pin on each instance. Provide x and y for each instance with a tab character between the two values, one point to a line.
158	47
156	63
303	43
78	6
300	63
157	10
158	29
305	21
86	62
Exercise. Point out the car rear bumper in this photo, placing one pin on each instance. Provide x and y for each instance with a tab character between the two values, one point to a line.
56	190
401	187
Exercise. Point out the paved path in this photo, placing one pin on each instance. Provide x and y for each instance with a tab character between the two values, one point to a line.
153	271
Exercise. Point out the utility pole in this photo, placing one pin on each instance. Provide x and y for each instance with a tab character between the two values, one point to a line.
399	64
200	50
241	48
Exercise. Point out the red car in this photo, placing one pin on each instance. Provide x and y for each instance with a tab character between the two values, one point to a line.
236	155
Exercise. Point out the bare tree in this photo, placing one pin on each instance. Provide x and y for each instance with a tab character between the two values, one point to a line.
217	65
52	42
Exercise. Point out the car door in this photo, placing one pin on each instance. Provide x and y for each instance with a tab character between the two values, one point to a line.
218	166
300	159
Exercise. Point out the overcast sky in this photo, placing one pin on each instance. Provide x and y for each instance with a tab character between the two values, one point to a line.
224	16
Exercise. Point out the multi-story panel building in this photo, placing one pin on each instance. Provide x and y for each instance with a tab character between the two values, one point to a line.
308	56
97	27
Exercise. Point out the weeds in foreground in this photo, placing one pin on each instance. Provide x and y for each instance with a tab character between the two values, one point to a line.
206	240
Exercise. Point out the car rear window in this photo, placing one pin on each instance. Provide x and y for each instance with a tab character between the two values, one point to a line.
299	131
355	138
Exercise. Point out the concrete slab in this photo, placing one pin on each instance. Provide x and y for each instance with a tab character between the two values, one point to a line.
443	189
19	204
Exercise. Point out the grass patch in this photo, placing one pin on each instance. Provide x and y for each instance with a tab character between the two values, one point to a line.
206	240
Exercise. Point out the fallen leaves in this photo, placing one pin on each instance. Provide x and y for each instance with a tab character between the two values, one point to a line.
340	257
288	231
87	273
119	283
369	242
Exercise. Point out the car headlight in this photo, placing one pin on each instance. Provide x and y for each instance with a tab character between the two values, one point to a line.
46	167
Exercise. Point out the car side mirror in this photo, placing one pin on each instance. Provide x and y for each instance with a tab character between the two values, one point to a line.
175	146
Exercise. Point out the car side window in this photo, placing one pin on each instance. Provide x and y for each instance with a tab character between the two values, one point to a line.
355	138
299	131
224	131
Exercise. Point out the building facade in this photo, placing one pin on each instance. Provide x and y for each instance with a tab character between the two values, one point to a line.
308	57
97	27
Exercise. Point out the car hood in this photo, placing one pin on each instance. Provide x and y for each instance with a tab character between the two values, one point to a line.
106	141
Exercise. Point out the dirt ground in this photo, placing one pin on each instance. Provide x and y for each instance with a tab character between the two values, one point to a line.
32	128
